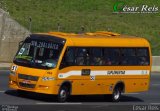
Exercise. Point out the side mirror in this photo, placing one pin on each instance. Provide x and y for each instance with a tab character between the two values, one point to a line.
20	44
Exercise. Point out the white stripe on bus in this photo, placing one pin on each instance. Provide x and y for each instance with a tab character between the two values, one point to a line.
103	72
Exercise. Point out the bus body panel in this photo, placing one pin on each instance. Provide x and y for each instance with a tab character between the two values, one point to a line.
103	83
47	87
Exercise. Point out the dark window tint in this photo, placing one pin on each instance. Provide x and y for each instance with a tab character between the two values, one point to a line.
100	56
128	51
111	56
143	61
128	60
128	56
143	56
96	57
112	51
96	52
82	56
142	52
68	58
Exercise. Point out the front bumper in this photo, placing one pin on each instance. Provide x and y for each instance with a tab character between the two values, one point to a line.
46	87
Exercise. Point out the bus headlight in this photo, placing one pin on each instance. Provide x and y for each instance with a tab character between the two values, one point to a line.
12	73
48	78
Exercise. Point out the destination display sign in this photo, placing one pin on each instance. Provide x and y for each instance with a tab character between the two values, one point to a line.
41	44
115	72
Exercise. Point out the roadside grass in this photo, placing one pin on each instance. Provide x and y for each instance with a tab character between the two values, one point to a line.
93	15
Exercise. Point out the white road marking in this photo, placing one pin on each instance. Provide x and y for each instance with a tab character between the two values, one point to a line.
2	91
155	103
59	103
130	93
155	84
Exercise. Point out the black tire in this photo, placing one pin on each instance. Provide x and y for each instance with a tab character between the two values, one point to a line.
116	95
63	94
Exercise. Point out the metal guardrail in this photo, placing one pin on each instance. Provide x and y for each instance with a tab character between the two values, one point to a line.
156	63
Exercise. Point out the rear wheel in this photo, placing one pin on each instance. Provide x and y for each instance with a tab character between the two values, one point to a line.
63	94
116	94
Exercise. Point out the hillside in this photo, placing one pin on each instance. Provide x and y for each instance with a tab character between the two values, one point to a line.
93	15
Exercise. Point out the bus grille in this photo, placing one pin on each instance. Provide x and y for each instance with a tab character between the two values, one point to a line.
28	77
27	85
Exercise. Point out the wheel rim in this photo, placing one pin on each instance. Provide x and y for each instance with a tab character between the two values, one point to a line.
116	95
63	94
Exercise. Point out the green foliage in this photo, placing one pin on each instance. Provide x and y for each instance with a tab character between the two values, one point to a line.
92	14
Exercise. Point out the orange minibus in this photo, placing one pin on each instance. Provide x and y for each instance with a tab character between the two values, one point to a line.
98	63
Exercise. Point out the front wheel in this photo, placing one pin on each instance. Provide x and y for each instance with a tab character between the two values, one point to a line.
116	95
63	94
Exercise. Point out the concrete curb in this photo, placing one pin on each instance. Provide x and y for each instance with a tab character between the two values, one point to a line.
4	68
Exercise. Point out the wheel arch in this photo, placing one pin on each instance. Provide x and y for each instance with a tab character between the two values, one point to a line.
68	84
120	84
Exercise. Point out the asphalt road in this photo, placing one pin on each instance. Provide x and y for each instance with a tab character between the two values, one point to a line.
10	99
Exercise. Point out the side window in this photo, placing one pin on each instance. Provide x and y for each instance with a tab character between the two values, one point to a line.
96	57
111	56
82	56
68	58
128	52
142	52
128	56
143	56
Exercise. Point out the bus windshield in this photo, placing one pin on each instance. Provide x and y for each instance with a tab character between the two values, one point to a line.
38	53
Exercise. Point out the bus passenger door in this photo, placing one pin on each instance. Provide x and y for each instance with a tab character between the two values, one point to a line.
73	69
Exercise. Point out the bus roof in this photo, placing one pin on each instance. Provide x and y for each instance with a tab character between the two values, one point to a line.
100	38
